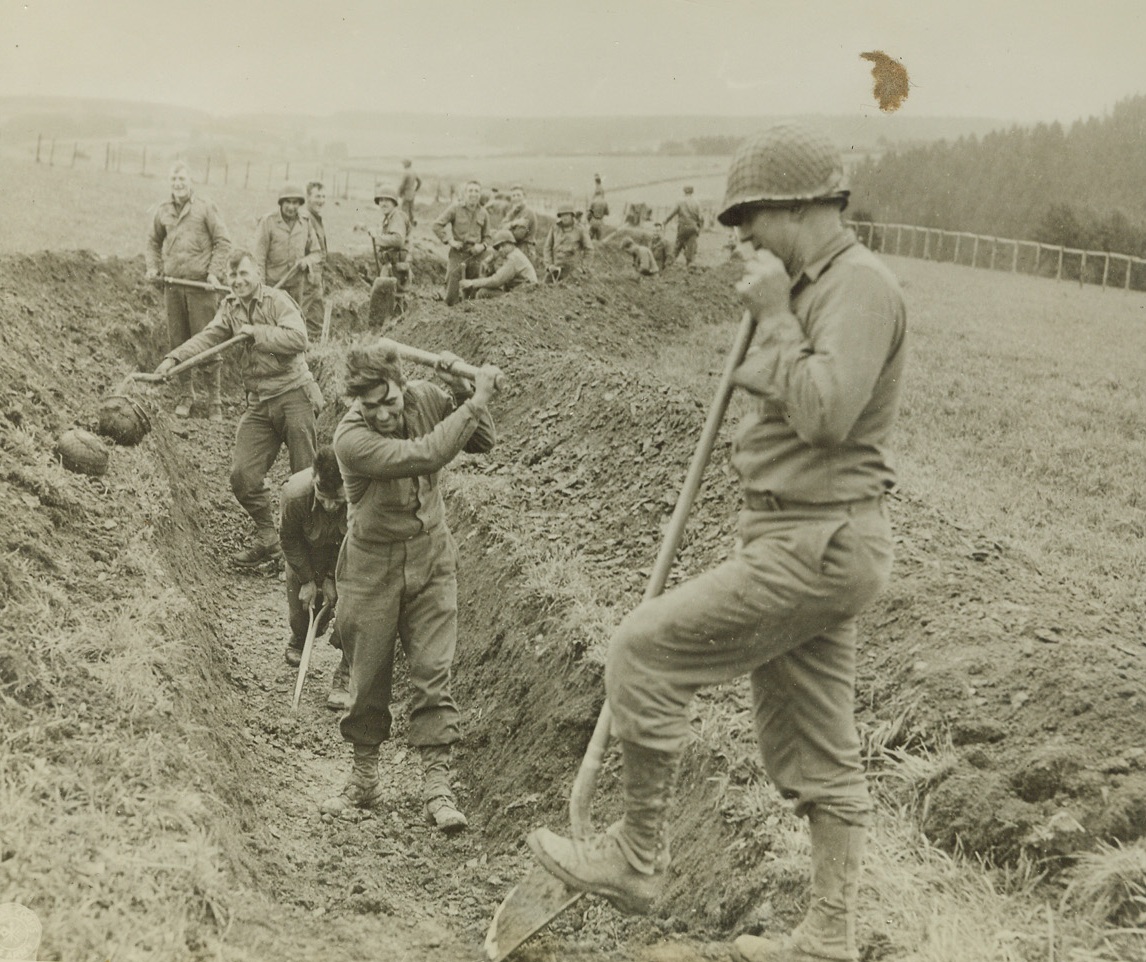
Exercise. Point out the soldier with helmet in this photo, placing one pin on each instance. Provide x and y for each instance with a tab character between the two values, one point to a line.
567	244
390	239
286	246
688	224
513	271
815	549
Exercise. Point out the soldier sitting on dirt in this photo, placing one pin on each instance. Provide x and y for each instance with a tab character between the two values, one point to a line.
189	241
815	549
397	573
468	224
282	397
311	529
512	269
643	259
566	245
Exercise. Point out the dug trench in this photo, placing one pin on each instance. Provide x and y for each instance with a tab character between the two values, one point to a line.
161	796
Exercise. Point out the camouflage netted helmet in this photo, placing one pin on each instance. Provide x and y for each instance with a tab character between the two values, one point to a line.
783	165
564	209
385	193
292	192
502	237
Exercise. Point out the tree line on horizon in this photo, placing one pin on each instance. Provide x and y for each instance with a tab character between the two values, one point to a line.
1082	187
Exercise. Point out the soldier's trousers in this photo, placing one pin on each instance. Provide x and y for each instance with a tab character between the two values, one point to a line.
460	265
313	303
781	610
263	429
407	592
685	242
188	312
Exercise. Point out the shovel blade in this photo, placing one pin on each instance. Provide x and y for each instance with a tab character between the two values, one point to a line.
530	906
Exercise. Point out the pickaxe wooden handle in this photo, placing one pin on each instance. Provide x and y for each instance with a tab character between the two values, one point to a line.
198	285
190	362
439	363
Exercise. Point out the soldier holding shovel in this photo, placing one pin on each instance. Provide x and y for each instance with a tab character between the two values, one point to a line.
815	549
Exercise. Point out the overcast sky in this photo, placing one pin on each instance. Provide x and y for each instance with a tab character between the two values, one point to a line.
1022	60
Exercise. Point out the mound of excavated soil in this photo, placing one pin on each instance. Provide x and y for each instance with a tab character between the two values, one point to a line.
1030	698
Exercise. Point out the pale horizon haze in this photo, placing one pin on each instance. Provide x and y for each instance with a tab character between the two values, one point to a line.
1015	61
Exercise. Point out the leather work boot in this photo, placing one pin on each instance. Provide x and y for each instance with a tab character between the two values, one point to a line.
828	930
257	554
363	790
627	863
293	653
442	810
339	697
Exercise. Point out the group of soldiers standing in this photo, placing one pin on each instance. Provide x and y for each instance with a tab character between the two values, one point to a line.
363	524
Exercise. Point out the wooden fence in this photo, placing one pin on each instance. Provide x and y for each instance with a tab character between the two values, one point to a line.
1001	253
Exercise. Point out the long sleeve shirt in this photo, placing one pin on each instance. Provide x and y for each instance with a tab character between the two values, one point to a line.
828	374
279	245
275	361
188	241
393	232
310	535
392	481
690	217
514	271
522	222
564	246
470	226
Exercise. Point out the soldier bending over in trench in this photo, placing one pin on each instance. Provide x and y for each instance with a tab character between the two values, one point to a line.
815	549
397	572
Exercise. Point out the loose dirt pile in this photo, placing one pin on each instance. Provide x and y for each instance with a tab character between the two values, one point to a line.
1004	711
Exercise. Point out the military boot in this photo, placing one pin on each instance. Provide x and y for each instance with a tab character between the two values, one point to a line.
828	931
363	790
339	697
265	548
186	395
441	807
627	863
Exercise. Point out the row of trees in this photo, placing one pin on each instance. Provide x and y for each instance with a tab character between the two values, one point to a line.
1081	187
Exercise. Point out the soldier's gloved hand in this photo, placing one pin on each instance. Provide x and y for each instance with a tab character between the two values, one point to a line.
457	245
466	283
765	287
329	592
165	365
307	593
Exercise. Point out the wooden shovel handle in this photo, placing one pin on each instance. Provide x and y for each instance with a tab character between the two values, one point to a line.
581	797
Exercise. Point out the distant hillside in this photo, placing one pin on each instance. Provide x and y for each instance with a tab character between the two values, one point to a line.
343	135
1082	187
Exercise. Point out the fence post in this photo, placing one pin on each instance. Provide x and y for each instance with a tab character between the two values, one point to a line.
1082	269
207	173
1105	270
994	249
39	141
975	251
927	243
898	237
1015	259
1058	273
958	238
52	153
1129	270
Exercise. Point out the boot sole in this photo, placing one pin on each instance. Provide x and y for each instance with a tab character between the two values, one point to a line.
624	902
452	827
